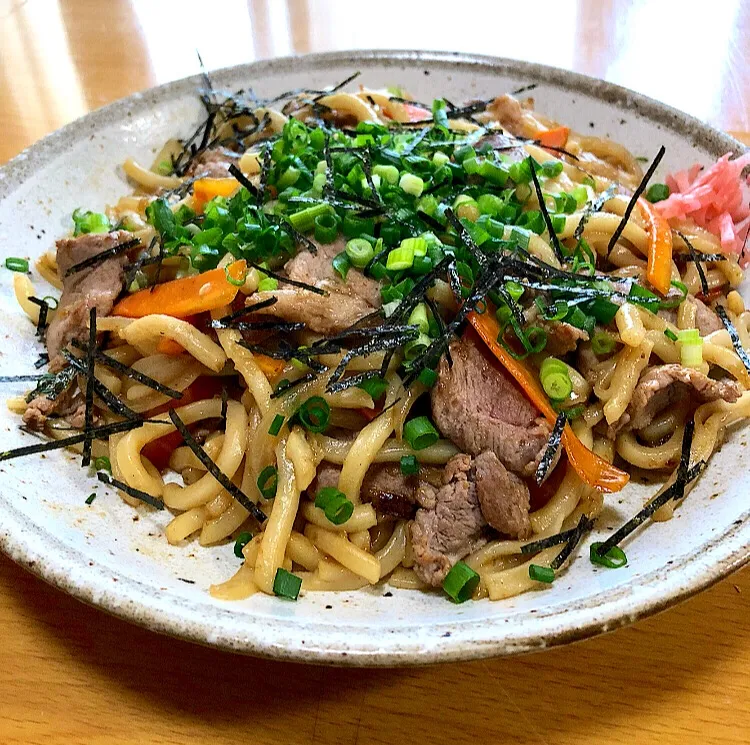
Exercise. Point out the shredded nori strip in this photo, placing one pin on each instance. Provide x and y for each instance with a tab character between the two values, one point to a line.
338	87
287	386
352	380
545	213
374	260
734	336
675	491
466	239
96	432
120	367
43	310
244	181
23	378
280	326
524	88
548	542
699	255
214	470
224	403
131	491
113	403
591	208
42	360
584	525
159	260
265	169
298	237
553	445
286	280
101	257
694	258
631	204
89	412
52	386
226	321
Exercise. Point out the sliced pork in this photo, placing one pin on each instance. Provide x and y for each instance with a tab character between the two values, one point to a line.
212	163
669	385
344	303
479	407
94	287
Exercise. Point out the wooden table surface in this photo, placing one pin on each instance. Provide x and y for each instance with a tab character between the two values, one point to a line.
71	674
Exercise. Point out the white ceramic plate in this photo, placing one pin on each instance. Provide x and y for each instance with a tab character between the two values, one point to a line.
117	559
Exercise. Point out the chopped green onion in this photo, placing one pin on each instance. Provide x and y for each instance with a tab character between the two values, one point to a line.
288	178
541	574
670	334
314	414
602	342
494	173
409	465
460	582
359	252
267	482
91	497
90	222
276	425
242	540
472	166
514	289
552	168
268	284
17	265
341	264
613	559
103	464
411	184
691	347
439	158
304	220
400	258
428	377
555	379
286	585
466	208
462	153
387	173
338	509
418	318
354	227
417	245
375	387
581	195
326	228
489	204
420	433
657	192
414	348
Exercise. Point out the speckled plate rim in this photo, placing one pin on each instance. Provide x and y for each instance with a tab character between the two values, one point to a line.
134	601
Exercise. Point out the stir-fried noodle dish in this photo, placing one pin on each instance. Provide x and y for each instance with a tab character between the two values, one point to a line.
363	338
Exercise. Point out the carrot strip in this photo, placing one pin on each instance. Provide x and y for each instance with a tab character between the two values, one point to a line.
185	297
557	137
592	469
659	265
205	189
270	367
169	347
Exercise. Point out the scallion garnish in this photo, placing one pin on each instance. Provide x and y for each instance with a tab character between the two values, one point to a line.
314	414
541	574
613	559
420	433
657	192
460	582
338	509
91	497
555	379
286	585
268	481
427	377
102	464
16	264
276	425
359	251
670	334
409	465
242	540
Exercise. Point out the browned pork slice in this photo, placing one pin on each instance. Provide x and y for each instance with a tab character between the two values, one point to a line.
384	486
449	524
503	497
479	407
71	407
344	303
706	319
212	163
509	112
562	337
94	287
668	385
